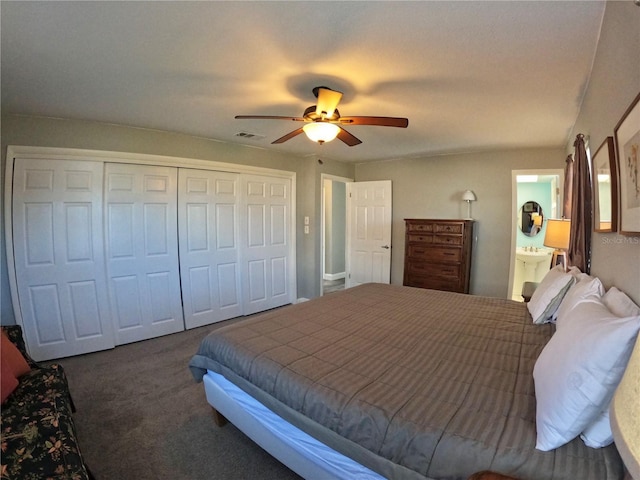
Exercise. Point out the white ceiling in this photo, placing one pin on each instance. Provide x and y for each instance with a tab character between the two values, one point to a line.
469	76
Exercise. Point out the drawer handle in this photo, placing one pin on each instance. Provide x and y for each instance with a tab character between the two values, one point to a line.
385	246
450	254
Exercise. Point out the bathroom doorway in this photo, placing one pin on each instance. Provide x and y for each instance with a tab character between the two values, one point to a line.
536	197
333	234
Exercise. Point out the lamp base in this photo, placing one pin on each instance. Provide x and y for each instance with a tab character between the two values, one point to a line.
559	258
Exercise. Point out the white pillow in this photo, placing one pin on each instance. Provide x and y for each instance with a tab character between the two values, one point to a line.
598	434
579	369
583	290
620	304
578	275
547	297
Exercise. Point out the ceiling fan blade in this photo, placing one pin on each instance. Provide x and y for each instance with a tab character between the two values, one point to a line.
347	138
380	121
269	117
327	101
288	136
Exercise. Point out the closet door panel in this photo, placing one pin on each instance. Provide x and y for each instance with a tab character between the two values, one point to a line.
59	262
126	302
257	281
208	232
266	230
45	308
84	307
228	283
143	251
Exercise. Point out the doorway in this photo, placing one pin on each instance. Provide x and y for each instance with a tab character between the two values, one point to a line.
333	232
536	197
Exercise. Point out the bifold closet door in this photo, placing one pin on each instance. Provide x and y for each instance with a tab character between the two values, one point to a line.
59	257
142	251
265	235
208	204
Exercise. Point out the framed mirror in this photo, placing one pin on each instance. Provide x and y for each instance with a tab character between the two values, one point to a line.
604	181
531	218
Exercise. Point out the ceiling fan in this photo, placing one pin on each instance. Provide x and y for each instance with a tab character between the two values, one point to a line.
323	122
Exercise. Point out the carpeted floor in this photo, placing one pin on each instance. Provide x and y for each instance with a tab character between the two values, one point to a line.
141	416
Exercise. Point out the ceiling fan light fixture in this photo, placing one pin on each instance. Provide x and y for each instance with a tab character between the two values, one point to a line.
321	132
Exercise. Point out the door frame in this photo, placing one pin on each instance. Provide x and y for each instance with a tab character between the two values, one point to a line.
32	152
515	207
334	178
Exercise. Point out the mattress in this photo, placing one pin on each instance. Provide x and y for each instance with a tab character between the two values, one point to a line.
301	452
411	383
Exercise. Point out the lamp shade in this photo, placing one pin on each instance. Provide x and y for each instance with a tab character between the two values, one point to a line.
625	415
557	235
321	131
469	196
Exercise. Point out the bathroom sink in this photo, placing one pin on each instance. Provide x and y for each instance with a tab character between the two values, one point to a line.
534	263
528	256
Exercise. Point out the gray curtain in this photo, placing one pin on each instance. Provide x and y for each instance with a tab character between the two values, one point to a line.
580	239
568	187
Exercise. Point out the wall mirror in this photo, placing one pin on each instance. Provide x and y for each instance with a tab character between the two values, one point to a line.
531	218
604	183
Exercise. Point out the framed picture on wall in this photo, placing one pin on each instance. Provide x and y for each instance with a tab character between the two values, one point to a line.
627	140
604	179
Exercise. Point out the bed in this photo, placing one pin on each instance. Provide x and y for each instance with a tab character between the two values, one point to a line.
397	382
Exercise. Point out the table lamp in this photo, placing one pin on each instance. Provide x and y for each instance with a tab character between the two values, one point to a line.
468	196
557	237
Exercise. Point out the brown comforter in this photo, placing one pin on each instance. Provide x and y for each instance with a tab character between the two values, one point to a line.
436	383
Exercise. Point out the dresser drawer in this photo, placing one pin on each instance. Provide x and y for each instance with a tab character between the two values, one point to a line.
420	227
448	228
448	239
435	270
417	238
434	254
436	283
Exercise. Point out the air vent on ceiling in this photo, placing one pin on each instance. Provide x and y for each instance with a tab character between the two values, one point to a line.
248	135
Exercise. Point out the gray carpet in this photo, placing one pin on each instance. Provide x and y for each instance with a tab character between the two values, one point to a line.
140	415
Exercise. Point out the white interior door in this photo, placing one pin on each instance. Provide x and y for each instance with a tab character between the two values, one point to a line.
142	251
368	232
59	257
208	204
266	250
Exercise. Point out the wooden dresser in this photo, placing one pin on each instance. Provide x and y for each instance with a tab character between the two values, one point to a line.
437	254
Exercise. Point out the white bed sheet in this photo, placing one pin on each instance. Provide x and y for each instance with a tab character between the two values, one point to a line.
299	451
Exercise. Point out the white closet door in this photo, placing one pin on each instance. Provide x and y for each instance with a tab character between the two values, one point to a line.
142	251
208	204
59	257
266	249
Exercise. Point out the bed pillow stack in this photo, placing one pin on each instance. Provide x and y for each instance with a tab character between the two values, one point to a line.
579	369
549	294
